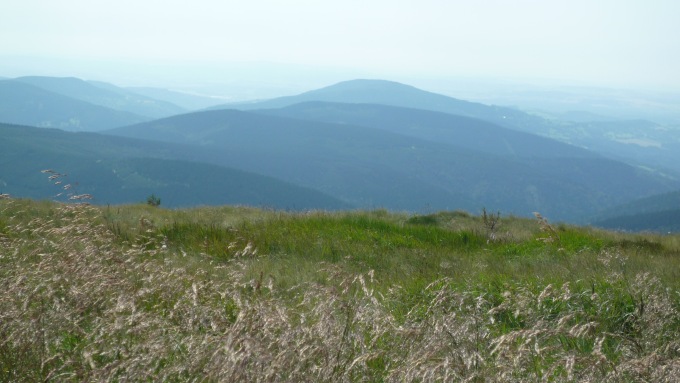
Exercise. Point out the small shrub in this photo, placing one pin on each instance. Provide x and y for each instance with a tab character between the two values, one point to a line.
152	200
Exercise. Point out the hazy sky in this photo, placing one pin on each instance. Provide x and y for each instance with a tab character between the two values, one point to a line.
628	43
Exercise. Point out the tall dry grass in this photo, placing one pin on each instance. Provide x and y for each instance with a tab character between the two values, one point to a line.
76	304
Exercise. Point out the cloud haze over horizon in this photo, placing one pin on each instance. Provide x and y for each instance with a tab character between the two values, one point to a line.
612	43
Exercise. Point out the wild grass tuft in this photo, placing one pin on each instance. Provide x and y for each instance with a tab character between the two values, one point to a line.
136	293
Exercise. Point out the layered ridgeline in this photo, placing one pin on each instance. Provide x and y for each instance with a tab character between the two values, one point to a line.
459	131
120	170
77	105
407	159
397	94
366	143
26	104
94	106
106	95
633	141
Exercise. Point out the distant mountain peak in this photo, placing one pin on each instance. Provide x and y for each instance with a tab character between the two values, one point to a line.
365	85
385	92
362	82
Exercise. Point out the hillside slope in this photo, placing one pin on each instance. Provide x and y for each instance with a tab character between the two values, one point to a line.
629	141
659	213
664	221
466	132
376	168
655	203
118	170
25	104
397	94
104	94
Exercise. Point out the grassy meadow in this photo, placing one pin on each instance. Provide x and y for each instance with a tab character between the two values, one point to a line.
139	293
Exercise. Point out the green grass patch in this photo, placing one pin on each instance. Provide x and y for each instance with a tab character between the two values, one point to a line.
142	293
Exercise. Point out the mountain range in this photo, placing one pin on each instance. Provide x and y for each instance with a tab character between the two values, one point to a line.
632	141
396	94
459	131
104	94
361	143
375	167
26	104
77	105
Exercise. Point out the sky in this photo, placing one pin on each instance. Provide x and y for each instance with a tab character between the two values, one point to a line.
620	43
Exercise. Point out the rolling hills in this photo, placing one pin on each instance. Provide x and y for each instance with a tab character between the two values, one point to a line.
366	143
105	94
392	93
117	170
634	142
370	167
459	131
76	105
25	104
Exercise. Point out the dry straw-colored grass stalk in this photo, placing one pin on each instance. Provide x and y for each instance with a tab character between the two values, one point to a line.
77	304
